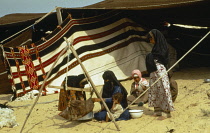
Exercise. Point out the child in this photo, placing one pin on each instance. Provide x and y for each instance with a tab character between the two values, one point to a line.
137	88
116	109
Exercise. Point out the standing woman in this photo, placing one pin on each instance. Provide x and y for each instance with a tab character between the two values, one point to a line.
156	63
112	86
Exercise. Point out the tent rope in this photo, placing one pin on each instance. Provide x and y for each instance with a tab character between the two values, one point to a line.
68	45
195	53
29	26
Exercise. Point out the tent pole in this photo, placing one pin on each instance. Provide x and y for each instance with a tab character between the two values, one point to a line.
91	82
59	16
40	90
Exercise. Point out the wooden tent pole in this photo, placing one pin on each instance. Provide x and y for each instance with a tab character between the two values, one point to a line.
91	82
40	90
59	16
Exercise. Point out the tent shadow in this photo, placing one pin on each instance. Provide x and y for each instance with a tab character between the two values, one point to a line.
34	125
67	123
71	124
5	98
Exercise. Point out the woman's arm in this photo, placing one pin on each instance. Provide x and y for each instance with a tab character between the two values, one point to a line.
97	99
117	89
113	106
144	84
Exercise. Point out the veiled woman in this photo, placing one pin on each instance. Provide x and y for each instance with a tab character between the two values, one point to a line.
156	63
110	87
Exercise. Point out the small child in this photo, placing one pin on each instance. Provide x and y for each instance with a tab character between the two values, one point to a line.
137	88
116	109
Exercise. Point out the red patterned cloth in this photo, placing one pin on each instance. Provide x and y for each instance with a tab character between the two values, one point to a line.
30	69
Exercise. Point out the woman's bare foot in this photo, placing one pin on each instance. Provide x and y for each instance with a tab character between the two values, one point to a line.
156	115
102	121
161	118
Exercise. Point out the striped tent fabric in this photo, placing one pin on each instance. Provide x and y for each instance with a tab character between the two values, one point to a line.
24	38
109	41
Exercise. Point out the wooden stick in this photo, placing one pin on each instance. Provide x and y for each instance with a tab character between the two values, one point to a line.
71	88
91	82
59	16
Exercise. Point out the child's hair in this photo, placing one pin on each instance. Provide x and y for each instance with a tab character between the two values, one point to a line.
118	96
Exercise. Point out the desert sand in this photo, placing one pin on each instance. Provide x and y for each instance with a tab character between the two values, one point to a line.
191	115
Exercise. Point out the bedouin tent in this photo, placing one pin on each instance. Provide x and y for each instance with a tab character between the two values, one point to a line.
144	14
30	63
98	40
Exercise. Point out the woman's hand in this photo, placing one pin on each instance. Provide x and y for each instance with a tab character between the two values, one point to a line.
136	91
144	87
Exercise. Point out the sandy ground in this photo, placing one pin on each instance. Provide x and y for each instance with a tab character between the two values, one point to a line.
192	114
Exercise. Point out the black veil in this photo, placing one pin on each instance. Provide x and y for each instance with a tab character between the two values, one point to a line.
159	51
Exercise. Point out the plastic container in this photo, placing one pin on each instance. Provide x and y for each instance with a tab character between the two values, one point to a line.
136	113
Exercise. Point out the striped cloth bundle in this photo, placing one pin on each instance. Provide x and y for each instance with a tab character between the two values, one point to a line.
106	42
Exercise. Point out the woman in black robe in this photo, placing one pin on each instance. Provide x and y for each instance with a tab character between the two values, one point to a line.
156	63
110	87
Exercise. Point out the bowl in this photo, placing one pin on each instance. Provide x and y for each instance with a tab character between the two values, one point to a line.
88	116
136	113
207	80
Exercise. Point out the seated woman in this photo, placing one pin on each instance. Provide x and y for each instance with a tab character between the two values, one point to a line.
112	86
137	88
